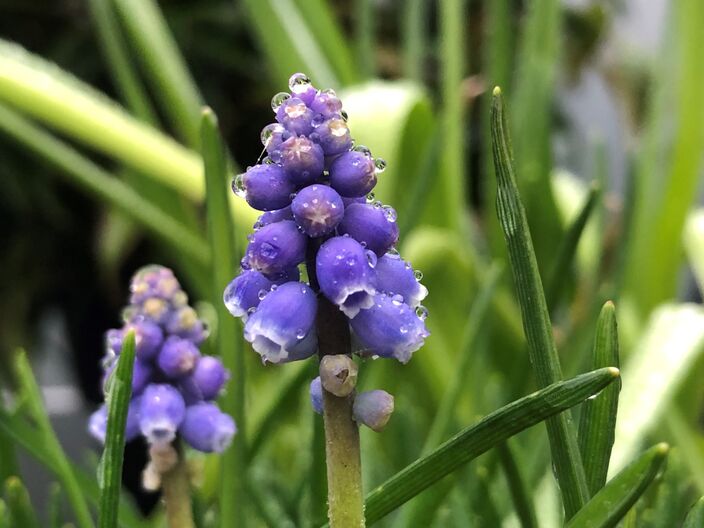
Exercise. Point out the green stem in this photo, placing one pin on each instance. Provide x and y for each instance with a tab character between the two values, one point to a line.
345	499
177	496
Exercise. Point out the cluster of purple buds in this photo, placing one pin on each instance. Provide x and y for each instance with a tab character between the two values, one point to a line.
314	189
173	386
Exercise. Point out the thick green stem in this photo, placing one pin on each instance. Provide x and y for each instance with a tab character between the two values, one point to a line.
177	496
345	498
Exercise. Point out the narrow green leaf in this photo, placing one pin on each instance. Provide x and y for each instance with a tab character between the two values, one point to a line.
517	486
694	244
164	65
122	68
567	462
614	500
477	439
365	36
117	400
475	322
695	517
90	177
568	248
598	420
330	38
8	456
30	439
54	507
415	34
4	518
18	504
453	19
229	335
33	400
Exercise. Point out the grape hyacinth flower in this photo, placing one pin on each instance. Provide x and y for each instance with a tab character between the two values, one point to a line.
173	386
314	189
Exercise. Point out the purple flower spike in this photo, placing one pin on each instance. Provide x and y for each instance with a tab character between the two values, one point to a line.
185	323
333	136
373	226
210	376
178	357
317	209
353	174
390	328
242	294
276	248
395	276
267	187
161	412
271	217
153	281
327	104
316	395
302	159
147	339
345	274
373	409
207	429
295	116
282	328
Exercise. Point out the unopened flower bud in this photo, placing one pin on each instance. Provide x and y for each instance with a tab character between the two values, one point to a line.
373	409
338	374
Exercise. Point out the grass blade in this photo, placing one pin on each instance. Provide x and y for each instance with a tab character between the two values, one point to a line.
598	420
567	462
54	507
124	74
452	17
568	248
164	65
477	439
694	245
110	469
414	38
517	485
4	519
614	500
96	181
695	517
229	335
31	397
19	505
364	35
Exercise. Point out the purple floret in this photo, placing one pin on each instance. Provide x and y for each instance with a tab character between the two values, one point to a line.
178	357
276	248
395	276
372	225
317	209
161	412
243	293
295	116
333	135
206	428
353	174
267	187
316	395
302	160
209	377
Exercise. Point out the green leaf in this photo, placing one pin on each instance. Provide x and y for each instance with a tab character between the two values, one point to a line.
669	166
479	438
453	17
517	485
164	65
598	420
117	401
415	36
32	399
694	244
19	506
229	333
660	363
567	462
88	176
568	248
54	507
365	37
614	500
4	518
695	517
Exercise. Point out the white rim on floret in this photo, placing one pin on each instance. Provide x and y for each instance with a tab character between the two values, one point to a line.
420	294
159	431
367	301
267	341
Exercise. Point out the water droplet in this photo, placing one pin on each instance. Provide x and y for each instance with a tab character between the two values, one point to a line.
344	115
276	156
351	261
403	330
364	150
380	165
371	197
421	312
389	213
377	204
375	356
251	310
300	333
262	293
418	274
268	161
258	225
298	82
278	100
393	253
273	287
397	300
244	264
238	186
371	258
269	130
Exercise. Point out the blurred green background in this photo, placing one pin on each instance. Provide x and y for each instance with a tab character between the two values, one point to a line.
604	100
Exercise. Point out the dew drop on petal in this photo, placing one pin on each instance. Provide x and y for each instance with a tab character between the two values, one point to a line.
344	115
238	186
300	333
390	213
298	82
262	294
363	149
421	312
380	165
371	197
418	274
278	100
371	258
